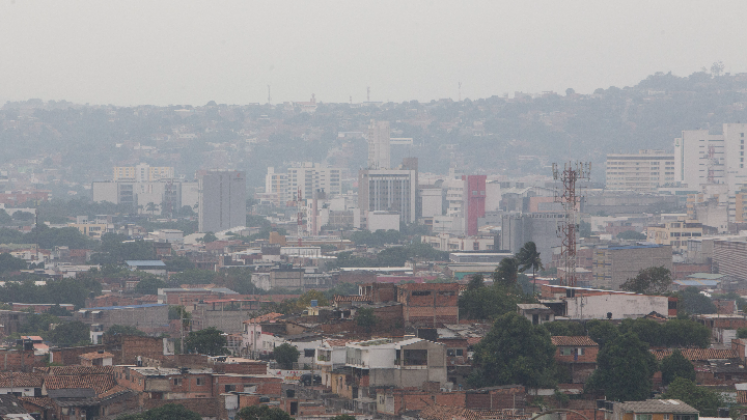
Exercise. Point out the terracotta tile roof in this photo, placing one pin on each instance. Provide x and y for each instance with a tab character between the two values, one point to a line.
98	378
580	340
78	252
440	412
114	391
20	379
698	354
264	318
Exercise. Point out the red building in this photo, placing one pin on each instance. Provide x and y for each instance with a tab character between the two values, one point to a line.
474	201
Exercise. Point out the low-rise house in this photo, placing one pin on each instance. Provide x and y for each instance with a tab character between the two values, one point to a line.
330	355
155	267
581	303
536	313
577	354
649	410
429	304
21	384
12	408
97	358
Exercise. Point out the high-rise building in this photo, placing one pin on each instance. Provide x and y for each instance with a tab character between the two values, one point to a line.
309	177
388	190
474	202
645	171
142	173
222	200
378	145
702	158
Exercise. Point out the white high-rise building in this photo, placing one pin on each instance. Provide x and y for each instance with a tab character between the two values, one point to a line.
705	159
645	171
378	145
309	177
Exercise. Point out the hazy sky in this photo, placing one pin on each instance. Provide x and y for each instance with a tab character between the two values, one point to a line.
162	52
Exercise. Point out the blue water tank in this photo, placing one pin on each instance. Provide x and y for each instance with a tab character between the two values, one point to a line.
314	303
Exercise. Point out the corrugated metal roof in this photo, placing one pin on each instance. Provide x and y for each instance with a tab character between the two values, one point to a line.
149	263
109	308
657	406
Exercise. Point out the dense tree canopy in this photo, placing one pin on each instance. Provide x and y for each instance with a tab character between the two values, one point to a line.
208	341
70	334
262	412
676	366
652	280
703	399
165	412
691	301
514	352
286	354
625	368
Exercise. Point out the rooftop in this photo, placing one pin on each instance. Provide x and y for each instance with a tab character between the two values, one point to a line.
560	340
112	308
148	263
657	406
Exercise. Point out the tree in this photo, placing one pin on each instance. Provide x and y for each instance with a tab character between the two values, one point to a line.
564	328
11	263
151	207
208	237
286	354
631	235
602	332
343	417
149	286
210	341
742	332
124	330
365	318
647	330
652	280
70	334
489	302
703	399
686	333
58	310
514	352
717	68
263	412
476	281
529	258
507	272
676	366
624	369
180	312
692	301
304	301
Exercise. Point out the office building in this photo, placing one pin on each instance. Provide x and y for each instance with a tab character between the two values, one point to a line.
702	158
474	202
645	171
388	190
675	234
151	197
222	200
540	228
309	177
378	145
142	173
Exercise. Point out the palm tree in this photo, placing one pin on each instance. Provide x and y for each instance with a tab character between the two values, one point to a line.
529	258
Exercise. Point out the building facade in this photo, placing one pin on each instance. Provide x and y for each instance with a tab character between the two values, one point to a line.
378	145
222	200
613	266
645	171
702	158
388	190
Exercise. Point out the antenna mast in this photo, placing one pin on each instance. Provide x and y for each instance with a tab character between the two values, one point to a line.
460	91
570	200
269	97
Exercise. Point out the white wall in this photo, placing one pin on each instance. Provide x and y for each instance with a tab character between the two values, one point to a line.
384	221
621	306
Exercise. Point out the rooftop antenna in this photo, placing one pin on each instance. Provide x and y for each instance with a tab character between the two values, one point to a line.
460	91
567	229
368	94
269	97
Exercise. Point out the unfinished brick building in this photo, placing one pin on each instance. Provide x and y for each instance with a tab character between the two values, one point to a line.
429	304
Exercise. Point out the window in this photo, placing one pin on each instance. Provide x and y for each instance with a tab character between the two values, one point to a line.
566	351
198	381
643	417
177	381
460	352
666	416
308	353
230	388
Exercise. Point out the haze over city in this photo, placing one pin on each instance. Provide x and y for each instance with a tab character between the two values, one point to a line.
176	52
373	210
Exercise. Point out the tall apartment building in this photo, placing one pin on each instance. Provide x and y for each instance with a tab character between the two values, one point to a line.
388	190
222	200
378	145
142	173
309	177
474	202
730	258
152	197
702	158
645	171
613	266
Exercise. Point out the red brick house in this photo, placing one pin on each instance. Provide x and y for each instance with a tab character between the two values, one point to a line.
578	354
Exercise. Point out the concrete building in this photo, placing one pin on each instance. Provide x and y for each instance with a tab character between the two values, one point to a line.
645	171
148	318
613	266
222	200
398	364
307	176
142	173
730	258
431	199
581	303
379	149
536	313
287	278
702	158
382	220
540	228
474	202
390	190
675	234
149	197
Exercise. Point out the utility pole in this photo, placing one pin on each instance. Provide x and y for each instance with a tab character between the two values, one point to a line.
269	97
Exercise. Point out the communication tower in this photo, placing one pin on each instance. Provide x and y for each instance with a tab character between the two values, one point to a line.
570	198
